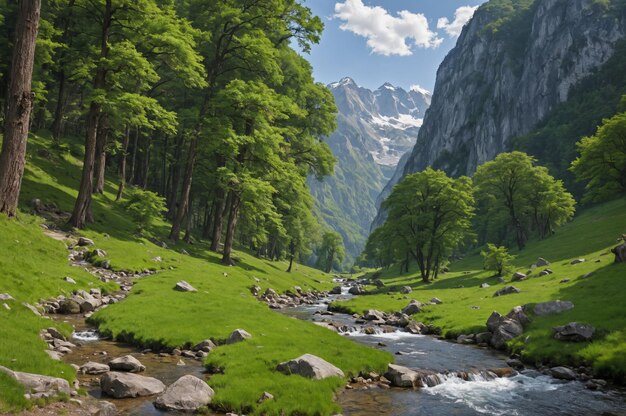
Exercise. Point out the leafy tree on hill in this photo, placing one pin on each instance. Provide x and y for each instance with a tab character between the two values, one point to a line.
330	252
497	258
602	160
515	195
429	216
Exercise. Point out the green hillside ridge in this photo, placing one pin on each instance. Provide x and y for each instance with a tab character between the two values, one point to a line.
599	299
157	316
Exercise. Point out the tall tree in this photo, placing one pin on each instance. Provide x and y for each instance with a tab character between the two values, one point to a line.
330	252
18	106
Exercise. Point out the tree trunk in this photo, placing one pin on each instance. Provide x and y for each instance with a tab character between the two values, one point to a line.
164	167
133	162
82	207
292	248
19	104
175	178
188	221
123	154
101	156
186	190
206	226
233	213
218	219
146	163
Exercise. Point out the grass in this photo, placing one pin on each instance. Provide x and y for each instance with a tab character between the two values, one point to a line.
32	266
599	300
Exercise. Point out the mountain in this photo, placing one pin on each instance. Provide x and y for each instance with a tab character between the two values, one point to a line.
374	130
515	63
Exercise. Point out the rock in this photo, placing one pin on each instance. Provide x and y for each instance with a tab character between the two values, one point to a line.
577	261
506	331
187	394
94	368
406	290
518	314
515	363
54	333
90	305
563	373
183	286
265	397
552	307
620	253
6	296
126	363
574	332
494	321
466	339
374	315
123	385
255	290
238	335
32	308
483	338
207	345
356	290
436	301
564	281
103	408
400	376
335	290
84	241
39	386
587	275
69	280
412	308
542	262
157	259
506	291
310	366
414	328
518	277
484	285
55	355
69	306
378	283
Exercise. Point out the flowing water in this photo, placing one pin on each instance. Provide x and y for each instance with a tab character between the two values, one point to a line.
528	393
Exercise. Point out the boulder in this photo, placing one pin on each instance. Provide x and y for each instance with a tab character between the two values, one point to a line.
102	408
406	290
506	291
37	385
265	397
183	286
238	335
553	307
574	332
126	363
563	373
518	277
84	241
506	331
374	315
483	338
577	261
412	308
54	333
94	368
207	345
310	366
270	293
436	301
466	339
494	321
518	314
620	252
413	327
187	394
90	305
356	290
400	376
123	385
255	290
335	290
541	262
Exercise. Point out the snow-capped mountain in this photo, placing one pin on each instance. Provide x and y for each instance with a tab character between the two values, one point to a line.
387	119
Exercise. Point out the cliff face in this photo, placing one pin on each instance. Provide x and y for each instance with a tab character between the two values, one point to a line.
515	61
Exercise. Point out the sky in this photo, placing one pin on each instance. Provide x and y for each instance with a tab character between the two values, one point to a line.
377	41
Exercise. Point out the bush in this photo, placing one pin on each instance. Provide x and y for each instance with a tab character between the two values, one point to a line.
144	207
497	258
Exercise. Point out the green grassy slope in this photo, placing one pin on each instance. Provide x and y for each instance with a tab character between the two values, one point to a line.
32	266
599	300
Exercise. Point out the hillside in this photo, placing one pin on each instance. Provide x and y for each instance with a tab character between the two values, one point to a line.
34	266
374	130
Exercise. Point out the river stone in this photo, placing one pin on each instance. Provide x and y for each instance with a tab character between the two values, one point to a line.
518	314
412	308
553	307
310	366
183	286
123	385
207	345
506	331
54	333
563	373
356	290
37	385
574	332
374	315
506	291
94	368
541	262
69	306
406	290
238	335
84	241
126	363
620	253
187	394
494	321
401	376
335	290
102	408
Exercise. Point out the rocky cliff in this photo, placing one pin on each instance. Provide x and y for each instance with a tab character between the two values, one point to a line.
515	61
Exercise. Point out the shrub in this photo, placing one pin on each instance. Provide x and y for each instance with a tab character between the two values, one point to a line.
144	207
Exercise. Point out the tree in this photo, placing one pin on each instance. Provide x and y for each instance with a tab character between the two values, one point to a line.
602	160
497	258
514	194
144	207
18	106
429	216
330	252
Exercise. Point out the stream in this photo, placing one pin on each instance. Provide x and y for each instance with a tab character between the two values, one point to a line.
527	393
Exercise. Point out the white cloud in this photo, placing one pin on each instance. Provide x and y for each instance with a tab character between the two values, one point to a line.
386	34
461	16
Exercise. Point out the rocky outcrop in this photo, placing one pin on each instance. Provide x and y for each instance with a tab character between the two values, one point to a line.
310	366
123	385
187	394
401	376
505	328
94	368
37	385
510	68
574	332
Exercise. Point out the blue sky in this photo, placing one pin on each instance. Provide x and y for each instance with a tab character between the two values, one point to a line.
395	41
